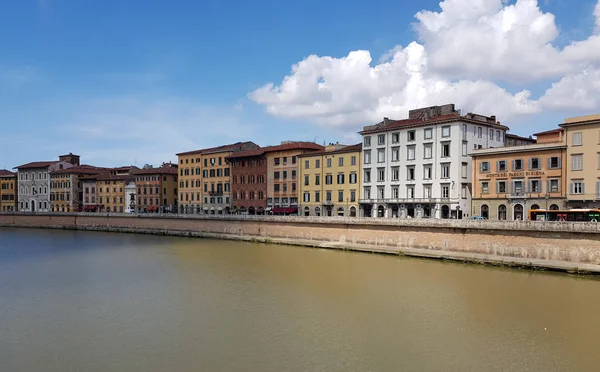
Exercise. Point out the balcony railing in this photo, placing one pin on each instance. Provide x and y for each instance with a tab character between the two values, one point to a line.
327	202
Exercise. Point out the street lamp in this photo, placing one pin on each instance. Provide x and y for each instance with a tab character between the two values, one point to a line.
546	197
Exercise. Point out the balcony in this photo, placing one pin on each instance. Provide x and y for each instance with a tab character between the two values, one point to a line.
517	195
410	200
327	202
215	193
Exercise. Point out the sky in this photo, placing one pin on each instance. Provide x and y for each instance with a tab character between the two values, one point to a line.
135	82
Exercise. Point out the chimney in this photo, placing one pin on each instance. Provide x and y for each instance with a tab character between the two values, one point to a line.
386	121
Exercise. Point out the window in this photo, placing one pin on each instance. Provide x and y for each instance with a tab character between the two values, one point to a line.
464	170
328	163
307	197
501	166
479	132
485	187
501	187
380	174
577	162
380	193
293	160
395	173
428	133
317	196
395	137
446	131
445	150
497	135
381	156
554	162
427	191
577	139
464	132
484	166
518	164
340	196
328	196
306	180
353	160
366	157
410	135
427	172
340	178
410	192
306	164
491	134
395	153
381	139
340	161
445	170
317	179
352	196
328	179
353	178
534	163
367	142
535	185
367	177
553	185
410	173
463	191
464	149
276	161
275	175
395	192
276	187
410	152
284	173
577	188
445	191
427	151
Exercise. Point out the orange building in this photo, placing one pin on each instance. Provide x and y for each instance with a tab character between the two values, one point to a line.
510	181
111	194
8	191
156	188
283	175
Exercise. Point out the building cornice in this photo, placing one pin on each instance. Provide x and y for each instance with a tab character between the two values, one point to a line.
517	149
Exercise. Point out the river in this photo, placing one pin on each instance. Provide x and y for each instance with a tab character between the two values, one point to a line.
84	301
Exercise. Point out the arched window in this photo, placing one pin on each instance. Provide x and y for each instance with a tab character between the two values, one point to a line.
445	211
518	212
535	206
306	211
352	211
502	212
340	212
485	211
318	211
554	207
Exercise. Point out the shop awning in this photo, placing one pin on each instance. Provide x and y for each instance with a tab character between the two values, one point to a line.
152	208
285	210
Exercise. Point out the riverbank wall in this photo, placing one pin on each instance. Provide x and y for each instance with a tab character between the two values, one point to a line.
571	247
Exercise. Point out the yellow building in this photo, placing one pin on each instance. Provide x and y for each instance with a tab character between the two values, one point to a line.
205	179
111	192
583	161
66	192
8	191
330	181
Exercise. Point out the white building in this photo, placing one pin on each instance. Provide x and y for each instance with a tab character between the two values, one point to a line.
34	185
420	167
130	193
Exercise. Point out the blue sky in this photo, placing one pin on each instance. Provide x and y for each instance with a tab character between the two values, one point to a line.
134	82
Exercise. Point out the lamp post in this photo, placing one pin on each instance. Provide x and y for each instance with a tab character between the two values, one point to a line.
347	205
546	197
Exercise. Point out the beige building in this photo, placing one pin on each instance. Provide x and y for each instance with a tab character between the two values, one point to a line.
282	175
582	135
510	181
205	179
8	191
330	181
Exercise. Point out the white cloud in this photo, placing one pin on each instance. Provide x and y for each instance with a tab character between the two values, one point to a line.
576	92
468	49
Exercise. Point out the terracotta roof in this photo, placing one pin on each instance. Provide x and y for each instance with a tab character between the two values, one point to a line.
7	173
549	132
510	135
343	150
37	164
407	123
224	148
247	153
283	147
160	170
81	169
115	177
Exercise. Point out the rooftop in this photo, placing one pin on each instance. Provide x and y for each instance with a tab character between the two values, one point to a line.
6	173
238	146
37	164
81	169
113	177
549	132
284	146
579	120
158	170
343	150
510	135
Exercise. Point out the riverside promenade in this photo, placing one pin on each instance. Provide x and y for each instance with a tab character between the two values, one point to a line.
563	246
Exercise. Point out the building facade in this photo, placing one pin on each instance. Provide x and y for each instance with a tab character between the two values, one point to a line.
156	189
514	140
34	182
249	181
205	179
330	181
89	185
8	191
582	135
111	192
421	167
66	187
282	175
508	182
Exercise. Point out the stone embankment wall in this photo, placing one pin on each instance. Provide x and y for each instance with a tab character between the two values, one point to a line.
562	246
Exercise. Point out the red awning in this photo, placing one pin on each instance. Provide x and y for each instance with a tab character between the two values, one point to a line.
152	208
285	210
